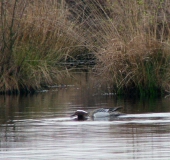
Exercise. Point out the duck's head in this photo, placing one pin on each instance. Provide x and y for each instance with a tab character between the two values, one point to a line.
80	115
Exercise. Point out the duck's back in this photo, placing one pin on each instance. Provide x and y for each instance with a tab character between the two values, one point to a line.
103	112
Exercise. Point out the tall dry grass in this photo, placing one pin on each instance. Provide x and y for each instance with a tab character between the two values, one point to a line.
131	42
35	36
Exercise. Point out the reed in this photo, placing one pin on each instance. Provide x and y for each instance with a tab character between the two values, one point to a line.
35	36
131	43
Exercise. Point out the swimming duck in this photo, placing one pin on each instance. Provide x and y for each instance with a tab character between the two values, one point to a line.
80	115
97	113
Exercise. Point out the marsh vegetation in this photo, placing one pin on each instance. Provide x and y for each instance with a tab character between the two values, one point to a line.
129	40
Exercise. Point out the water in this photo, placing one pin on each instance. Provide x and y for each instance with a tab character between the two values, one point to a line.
39	127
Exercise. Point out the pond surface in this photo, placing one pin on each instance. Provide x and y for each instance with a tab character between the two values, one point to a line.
39	127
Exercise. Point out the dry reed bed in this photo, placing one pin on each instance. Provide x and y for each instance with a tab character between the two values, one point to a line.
35	36
131	44
130	40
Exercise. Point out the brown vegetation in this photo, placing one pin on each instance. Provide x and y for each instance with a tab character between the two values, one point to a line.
35	36
130	40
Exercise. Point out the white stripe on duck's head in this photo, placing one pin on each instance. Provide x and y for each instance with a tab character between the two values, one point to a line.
80	115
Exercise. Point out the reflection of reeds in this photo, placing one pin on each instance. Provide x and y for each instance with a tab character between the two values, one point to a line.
35	36
131	40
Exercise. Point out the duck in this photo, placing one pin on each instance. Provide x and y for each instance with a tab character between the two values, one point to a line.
81	115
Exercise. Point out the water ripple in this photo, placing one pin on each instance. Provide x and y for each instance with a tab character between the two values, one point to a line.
134	136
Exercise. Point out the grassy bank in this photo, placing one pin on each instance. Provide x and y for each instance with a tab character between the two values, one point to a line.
130	40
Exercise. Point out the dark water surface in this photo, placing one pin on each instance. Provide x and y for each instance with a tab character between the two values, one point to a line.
38	127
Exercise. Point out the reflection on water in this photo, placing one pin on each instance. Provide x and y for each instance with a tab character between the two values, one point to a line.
39	127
